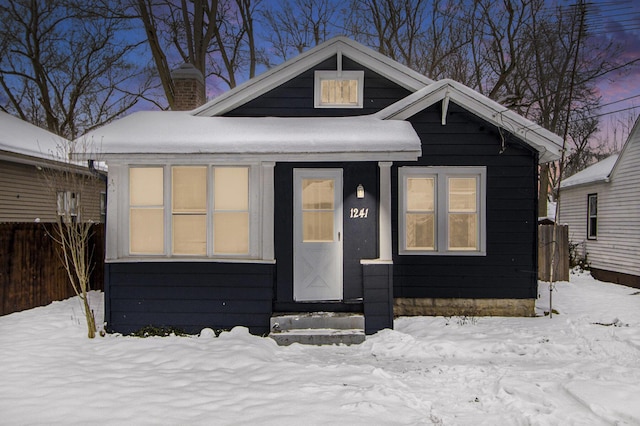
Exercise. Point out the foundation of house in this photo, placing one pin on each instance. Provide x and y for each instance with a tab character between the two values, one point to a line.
471	307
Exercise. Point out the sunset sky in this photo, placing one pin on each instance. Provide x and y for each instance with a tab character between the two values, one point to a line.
619	20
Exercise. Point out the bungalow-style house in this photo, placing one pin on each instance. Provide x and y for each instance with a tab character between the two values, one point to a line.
601	205
27	154
339	181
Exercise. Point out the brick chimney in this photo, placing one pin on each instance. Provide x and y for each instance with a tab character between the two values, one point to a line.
189	88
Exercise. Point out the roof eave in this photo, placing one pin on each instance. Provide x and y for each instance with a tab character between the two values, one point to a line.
545	142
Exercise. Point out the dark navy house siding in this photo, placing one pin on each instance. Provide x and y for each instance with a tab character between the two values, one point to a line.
509	270
188	295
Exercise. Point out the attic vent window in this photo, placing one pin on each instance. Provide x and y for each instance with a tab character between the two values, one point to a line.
335	89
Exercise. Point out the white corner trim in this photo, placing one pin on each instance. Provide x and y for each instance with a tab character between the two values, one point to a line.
385	251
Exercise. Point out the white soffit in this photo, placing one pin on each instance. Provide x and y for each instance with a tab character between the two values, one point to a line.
548	144
284	72
361	138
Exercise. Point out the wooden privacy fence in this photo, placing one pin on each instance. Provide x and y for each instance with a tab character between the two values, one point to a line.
553	248
30	270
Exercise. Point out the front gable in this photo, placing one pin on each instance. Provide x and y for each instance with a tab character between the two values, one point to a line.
339	50
295	97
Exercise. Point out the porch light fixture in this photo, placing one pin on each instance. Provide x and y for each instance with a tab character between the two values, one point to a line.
360	191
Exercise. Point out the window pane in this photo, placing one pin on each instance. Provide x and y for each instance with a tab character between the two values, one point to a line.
420	194
189	189
231	233
462	194
463	234
593	205
339	92
231	188
317	194
317	226
146	231
190	234
420	232
593	227
145	186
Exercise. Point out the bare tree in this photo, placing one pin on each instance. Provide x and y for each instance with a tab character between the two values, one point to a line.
216	36
72	186
63	68
294	26
443	50
392	27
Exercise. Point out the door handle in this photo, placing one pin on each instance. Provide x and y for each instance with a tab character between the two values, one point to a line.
338	236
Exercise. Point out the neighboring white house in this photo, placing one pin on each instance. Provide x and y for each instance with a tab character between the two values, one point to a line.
601	205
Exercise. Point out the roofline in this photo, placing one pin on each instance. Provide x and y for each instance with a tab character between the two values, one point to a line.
284	72
598	181
43	163
634	130
547	143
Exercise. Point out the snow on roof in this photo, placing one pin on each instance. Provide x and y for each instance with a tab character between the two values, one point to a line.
600	171
178	132
18	136
547	143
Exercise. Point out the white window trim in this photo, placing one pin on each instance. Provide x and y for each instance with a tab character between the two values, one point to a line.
337	75
255	205
441	232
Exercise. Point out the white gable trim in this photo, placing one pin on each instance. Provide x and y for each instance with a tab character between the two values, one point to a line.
634	135
284	72
548	144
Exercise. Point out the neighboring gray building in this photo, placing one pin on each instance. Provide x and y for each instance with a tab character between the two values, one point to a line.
26	152
601	205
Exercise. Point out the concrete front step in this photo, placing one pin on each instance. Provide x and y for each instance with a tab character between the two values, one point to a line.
318	328
318	336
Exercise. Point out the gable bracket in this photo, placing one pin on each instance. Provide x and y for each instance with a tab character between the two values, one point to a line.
445	108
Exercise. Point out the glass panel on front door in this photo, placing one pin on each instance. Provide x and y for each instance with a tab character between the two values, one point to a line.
318	210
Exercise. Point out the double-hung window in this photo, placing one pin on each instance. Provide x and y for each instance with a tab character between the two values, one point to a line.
442	210
186	210
592	216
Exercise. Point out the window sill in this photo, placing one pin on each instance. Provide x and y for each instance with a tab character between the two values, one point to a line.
165	259
442	253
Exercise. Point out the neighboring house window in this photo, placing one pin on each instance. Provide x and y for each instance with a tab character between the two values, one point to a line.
339	90
442	210
103	207
68	203
209	211
592	216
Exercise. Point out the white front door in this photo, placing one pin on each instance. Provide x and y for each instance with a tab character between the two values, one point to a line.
317	234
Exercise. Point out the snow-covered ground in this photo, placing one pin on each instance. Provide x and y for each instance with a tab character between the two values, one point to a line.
582	367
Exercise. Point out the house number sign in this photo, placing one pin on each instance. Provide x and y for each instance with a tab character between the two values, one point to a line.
357	213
